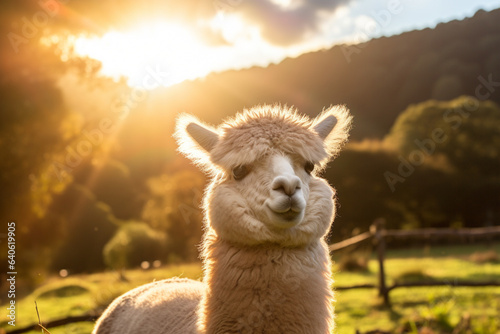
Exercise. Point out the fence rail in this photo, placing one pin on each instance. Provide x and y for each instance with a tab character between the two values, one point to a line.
378	233
352	241
440	232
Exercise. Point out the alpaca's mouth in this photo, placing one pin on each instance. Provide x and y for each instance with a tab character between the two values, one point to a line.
285	211
285	218
289	215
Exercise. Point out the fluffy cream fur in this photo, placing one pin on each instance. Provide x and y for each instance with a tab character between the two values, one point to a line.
266	264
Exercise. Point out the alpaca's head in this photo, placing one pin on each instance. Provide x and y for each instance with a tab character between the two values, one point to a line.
265	163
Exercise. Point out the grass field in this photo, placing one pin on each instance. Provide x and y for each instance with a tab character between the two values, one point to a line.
437	309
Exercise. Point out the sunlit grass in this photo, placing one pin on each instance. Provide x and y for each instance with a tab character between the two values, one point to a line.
360	309
80	294
363	309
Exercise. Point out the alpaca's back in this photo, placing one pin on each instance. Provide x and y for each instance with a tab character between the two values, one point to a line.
167	306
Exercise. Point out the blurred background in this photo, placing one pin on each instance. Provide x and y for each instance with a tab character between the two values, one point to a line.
90	91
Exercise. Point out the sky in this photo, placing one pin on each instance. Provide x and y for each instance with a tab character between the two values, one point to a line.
235	34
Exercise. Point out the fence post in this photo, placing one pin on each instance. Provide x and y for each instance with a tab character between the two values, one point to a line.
379	226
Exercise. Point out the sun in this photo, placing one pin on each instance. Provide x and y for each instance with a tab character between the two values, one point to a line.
173	52
170	50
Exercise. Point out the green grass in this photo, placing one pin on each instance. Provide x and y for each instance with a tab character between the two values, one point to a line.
436	307
79	294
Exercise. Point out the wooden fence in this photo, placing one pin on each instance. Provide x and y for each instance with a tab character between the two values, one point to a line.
379	234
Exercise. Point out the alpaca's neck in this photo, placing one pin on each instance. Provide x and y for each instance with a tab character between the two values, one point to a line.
266	289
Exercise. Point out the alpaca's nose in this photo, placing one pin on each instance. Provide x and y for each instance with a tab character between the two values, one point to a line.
287	184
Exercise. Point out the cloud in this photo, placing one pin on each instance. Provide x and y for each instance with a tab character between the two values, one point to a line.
286	25
280	22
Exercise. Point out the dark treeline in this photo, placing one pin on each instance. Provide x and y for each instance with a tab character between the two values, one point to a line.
90	174
376	80
439	166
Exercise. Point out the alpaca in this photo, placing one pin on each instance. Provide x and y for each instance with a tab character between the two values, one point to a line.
266	264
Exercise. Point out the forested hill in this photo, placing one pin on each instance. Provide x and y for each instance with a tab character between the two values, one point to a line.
85	160
376	80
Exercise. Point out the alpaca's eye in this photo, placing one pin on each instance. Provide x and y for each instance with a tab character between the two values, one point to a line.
309	167
240	172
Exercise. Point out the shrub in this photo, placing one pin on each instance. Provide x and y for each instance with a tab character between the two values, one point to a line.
133	243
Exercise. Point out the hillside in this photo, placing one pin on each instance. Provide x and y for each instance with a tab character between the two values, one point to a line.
83	156
377	80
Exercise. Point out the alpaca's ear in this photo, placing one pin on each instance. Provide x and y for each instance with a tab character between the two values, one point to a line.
333	126
203	136
325	126
195	139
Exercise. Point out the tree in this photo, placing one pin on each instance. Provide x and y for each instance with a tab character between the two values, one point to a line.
174	207
462	139
465	131
87	227
110	181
